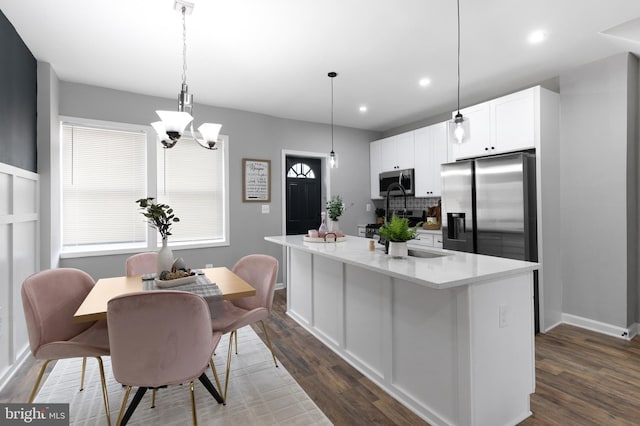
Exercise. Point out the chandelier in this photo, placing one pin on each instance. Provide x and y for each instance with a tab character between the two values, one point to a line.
173	123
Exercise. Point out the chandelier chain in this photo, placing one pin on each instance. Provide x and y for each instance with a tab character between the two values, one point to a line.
184	46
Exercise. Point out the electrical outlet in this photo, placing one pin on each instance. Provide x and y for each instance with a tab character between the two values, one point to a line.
368	207
502	316
208	265
265	209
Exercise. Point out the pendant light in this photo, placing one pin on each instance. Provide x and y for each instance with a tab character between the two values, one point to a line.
173	123
333	160
459	125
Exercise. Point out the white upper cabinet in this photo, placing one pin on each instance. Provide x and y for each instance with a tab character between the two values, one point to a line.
501	125
430	152
479	140
375	168
514	118
396	152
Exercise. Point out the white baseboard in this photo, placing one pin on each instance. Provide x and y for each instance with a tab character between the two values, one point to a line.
8	374
280	286
601	327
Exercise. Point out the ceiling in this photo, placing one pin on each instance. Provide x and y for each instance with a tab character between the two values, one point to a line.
272	57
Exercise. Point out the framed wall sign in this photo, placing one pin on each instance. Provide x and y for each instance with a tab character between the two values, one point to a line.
256	180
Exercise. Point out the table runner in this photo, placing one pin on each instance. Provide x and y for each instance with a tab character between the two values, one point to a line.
202	287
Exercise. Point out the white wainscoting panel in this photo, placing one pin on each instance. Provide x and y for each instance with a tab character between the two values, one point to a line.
366	311
424	350
19	258
299	298
327	298
5	296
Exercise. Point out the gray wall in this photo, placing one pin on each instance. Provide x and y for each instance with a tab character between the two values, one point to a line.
250	136
17	99
598	232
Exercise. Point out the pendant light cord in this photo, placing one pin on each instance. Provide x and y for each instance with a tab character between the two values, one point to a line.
331	114
458	56
184	46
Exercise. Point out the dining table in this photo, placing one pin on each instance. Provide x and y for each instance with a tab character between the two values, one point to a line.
94	306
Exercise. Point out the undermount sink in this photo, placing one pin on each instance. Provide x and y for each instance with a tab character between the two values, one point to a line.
425	254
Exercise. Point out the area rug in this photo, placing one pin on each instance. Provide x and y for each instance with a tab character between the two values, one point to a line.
259	393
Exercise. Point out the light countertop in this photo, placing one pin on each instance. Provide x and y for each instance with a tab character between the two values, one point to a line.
449	269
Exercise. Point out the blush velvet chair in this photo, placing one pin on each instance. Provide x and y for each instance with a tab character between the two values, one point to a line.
50	298
260	271
160	338
141	263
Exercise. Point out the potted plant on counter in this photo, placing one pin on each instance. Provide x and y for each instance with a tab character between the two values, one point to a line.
379	215
335	208
397	232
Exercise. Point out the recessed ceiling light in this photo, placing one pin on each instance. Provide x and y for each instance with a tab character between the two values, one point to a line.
537	36
363	108
424	82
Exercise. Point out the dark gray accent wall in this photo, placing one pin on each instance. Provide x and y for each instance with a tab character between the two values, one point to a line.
18	88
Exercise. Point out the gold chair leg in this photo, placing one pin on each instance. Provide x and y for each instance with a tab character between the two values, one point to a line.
153	398
269	342
235	332
215	376
123	406
84	367
226	379
35	387
105	394
193	405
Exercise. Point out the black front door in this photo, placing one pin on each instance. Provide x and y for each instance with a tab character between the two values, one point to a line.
304	200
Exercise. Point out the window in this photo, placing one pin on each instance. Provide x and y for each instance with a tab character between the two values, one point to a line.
191	180
103	173
300	170
106	167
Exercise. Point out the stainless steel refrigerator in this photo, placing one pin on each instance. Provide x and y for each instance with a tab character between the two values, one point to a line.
489	207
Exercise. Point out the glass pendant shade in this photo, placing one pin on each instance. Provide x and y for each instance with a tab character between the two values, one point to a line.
209	132
165	140
458	128
333	160
174	122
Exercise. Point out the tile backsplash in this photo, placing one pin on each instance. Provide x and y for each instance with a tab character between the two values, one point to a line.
413	203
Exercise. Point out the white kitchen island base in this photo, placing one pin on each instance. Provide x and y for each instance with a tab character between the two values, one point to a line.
459	354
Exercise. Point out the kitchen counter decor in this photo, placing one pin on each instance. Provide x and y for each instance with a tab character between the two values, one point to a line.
335	208
397	233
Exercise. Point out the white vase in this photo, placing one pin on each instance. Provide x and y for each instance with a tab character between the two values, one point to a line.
398	249
335	228
165	258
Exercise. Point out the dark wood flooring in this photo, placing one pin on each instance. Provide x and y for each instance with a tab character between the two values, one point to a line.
582	378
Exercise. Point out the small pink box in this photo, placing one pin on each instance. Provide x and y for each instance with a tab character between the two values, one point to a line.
313	233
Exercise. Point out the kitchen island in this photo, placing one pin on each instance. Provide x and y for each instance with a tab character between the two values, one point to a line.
449	335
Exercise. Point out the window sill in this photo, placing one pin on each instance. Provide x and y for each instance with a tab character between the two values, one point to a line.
110	250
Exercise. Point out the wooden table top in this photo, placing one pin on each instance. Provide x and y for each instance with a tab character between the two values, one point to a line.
94	306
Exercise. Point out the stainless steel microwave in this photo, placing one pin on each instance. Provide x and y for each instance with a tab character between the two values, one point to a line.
404	177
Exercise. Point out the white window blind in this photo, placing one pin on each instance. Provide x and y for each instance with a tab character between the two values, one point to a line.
192	181
104	172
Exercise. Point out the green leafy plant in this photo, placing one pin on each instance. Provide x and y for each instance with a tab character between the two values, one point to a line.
398	230
335	207
379	212
159	216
